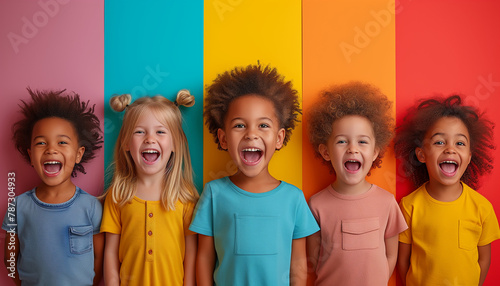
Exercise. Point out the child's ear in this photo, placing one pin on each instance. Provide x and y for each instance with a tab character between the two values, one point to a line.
280	139
375	154
29	154
323	150
222	138
79	154
420	154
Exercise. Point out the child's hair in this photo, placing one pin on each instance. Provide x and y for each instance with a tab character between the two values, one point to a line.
54	103
253	79
421	117
178	181
353	98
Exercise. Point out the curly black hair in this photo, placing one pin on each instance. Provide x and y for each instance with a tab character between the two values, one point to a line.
253	79
421	117
353	98
54	103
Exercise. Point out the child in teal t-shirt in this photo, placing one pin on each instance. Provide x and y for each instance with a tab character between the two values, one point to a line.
252	226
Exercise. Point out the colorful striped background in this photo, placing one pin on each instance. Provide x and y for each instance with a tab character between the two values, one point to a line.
409	49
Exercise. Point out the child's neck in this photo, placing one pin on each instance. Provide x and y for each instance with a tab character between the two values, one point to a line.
444	193
259	184
149	187
55	194
351	190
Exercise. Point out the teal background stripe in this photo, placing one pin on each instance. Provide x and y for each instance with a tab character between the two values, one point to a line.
154	47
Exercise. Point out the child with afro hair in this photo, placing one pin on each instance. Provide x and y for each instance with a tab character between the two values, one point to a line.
350	128
445	147
55	225
252	226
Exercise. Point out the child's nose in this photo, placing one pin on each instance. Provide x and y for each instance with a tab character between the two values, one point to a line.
51	149
251	133
352	148
150	139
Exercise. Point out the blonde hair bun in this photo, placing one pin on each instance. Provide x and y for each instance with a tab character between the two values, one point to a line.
185	98
120	102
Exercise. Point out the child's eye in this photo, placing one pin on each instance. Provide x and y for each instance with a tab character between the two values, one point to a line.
341	141
40	143
363	142
239	126
264	125
161	132
63	142
138	132
439	143
460	143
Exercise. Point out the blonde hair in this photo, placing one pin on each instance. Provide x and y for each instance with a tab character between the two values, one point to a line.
178	180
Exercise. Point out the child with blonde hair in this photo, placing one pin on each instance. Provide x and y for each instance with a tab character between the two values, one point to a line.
150	201
350	128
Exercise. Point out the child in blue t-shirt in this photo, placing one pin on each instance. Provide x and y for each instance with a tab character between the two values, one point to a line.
55	226
252	226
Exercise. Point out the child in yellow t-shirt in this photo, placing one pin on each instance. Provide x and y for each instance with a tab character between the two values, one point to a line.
445	147
150	202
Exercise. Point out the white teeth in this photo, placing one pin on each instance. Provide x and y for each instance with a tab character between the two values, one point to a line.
251	150
449	162
51	163
150	151
352	161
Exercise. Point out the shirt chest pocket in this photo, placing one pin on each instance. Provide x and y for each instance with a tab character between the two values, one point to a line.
80	239
256	235
360	234
468	235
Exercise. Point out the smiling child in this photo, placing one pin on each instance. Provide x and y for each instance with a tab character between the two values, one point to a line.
252	226
57	222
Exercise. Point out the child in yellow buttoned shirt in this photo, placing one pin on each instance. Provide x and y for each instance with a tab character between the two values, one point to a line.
150	202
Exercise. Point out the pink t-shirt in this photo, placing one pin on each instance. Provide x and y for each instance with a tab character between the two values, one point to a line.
353	232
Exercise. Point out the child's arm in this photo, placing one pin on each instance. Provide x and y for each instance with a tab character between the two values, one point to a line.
404	254
391	252
190	260
205	260
313	245
484	261
12	250
98	257
111	260
298	264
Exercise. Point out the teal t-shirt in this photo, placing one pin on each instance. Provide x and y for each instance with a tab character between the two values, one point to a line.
252	232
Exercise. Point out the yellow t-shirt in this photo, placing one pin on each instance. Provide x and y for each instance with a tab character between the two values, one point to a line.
445	236
152	240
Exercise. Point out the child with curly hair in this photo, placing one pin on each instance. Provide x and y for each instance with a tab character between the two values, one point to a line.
350	128
445	147
251	226
150	201
56	224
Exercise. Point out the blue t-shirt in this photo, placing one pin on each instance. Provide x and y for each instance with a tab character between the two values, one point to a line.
55	240
252	232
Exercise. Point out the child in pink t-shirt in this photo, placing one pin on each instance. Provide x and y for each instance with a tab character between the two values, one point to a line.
350	127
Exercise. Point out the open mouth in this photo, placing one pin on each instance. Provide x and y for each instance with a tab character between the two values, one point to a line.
251	156
449	168
150	155
52	168
352	166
